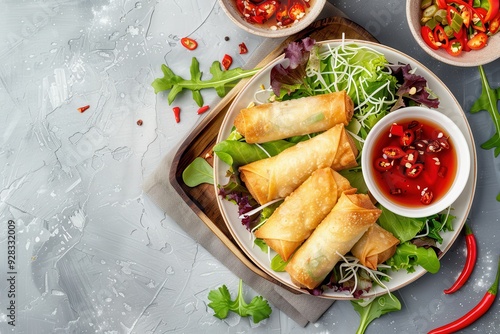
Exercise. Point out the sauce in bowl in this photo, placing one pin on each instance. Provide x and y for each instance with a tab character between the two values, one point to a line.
414	163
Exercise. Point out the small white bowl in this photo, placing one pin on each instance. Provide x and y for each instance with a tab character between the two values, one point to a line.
483	56
229	7
457	141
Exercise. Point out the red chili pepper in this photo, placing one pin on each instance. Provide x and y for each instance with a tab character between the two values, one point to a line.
470	317
470	262
189	43
393	152
82	109
243	48
139	122
396	130
227	60
382	164
203	109
477	42
177	114
415	170
407	138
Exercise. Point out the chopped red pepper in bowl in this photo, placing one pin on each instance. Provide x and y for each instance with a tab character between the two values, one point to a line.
457	32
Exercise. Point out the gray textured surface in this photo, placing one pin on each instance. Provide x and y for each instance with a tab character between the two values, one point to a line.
93	254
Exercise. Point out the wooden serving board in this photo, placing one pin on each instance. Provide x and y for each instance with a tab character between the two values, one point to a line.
202	199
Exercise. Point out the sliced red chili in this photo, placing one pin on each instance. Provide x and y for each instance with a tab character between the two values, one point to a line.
382	164
440	35
267	9
475	313
478	42
177	114
82	109
493	10
407	138
442	171
189	43
226	62
202	110
428	36
455	47
466	16
393	152
494	24
415	170
442	4
243	48
396	130
297	11
426	196
409	158
470	262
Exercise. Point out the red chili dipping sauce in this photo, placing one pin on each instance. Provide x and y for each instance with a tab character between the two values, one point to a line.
414	163
273	13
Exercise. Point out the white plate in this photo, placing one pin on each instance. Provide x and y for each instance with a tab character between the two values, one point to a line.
448	106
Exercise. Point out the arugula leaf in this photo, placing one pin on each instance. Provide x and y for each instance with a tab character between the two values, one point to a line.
488	101
408	256
374	309
222	80
222	303
197	172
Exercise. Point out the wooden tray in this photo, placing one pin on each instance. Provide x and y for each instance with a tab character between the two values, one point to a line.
202	199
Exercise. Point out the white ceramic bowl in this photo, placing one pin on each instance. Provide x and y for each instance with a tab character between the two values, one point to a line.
231	10
457	142
466	59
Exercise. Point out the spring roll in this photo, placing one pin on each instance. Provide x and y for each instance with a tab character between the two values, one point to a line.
301	212
276	177
284	119
349	219
376	246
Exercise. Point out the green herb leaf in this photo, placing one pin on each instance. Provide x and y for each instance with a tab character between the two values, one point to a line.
278	264
221	303
403	228
197	172
488	101
408	256
374	309
222	81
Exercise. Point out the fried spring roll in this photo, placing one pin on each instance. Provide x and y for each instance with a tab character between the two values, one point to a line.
284	119
349	219
276	177
301	212
376	246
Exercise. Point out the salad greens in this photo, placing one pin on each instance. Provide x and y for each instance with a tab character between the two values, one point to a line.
222	303
375	86
488	100
199	171
372	309
222	81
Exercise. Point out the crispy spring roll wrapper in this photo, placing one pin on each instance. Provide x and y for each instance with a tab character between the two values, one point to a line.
276	177
284	119
301	212
349	219
376	246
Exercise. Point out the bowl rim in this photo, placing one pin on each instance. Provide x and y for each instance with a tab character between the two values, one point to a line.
441	54
462	155
278	33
